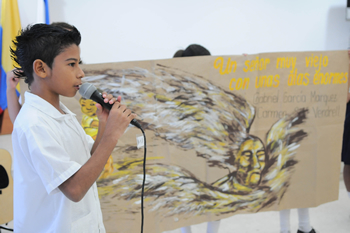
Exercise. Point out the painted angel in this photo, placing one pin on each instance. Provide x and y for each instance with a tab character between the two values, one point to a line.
193	113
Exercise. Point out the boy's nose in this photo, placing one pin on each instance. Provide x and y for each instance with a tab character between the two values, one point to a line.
81	73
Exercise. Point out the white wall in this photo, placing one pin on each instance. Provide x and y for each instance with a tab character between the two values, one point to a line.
115	30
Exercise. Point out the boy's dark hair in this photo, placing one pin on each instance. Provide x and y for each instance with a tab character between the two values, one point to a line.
41	41
63	25
192	50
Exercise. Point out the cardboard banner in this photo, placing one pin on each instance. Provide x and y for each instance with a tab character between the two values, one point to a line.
225	135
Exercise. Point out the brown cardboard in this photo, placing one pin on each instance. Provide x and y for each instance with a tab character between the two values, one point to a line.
198	114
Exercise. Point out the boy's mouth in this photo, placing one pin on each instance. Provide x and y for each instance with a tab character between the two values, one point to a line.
77	87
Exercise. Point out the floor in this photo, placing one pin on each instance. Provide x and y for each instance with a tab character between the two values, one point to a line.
333	217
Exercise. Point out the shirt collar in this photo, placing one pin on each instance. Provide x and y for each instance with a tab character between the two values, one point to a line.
45	107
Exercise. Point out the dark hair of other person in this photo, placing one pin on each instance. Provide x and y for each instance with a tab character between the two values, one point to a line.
41	41
192	50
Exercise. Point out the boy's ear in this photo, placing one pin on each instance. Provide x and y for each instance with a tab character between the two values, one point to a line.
40	68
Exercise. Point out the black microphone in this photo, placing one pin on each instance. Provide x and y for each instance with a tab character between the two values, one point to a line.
89	91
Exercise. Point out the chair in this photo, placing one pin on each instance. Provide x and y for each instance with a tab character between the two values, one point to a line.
6	187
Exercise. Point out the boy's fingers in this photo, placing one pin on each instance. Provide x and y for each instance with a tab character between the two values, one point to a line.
98	106
122	107
116	105
112	101
107	98
127	112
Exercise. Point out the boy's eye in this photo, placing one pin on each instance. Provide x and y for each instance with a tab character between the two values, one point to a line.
72	64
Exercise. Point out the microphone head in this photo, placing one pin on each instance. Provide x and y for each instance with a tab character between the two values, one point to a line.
86	90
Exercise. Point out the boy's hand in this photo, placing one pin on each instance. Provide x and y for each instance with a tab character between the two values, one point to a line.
118	120
102	113
11	79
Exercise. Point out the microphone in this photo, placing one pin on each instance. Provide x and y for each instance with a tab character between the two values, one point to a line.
89	91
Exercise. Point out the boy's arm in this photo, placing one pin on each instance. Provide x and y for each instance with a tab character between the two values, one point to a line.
12	100
118	120
101	129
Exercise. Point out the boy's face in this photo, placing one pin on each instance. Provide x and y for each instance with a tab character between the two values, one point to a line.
65	76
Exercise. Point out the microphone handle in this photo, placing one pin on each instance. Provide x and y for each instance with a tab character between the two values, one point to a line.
97	97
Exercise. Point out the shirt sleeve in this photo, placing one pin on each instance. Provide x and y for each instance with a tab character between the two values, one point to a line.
50	160
89	140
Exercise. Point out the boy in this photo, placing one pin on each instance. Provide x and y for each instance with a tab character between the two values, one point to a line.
55	163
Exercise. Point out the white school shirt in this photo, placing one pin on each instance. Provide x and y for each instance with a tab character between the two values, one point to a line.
49	147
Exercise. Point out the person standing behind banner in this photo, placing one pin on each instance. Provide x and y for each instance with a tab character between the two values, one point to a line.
303	214
190	51
345	155
304	221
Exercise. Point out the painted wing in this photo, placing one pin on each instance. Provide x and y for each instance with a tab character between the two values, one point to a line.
282	142
182	108
175	190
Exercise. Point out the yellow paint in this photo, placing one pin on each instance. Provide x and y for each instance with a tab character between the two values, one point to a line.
330	78
256	64
230	65
286	62
267	81
316	61
238	84
90	125
250	161
295	79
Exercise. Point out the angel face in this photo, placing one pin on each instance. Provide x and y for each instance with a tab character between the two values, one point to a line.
250	162
88	107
